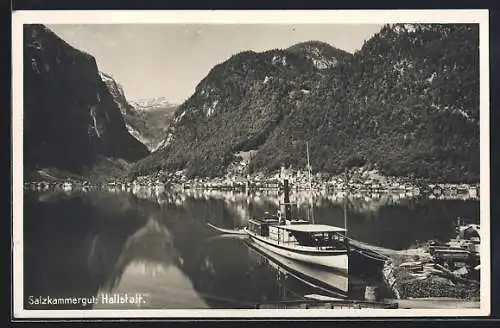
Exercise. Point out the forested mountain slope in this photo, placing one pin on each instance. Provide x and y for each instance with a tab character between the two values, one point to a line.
407	103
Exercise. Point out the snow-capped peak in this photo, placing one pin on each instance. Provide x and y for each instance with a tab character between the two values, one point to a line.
150	103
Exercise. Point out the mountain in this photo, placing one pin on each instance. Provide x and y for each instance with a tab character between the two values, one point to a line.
71	120
235	108
406	104
133	122
147	104
322	54
147	119
157	114
157	122
116	90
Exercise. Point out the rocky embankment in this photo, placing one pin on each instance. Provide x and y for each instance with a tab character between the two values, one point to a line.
418	274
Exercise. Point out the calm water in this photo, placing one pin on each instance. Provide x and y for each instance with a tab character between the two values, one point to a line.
101	244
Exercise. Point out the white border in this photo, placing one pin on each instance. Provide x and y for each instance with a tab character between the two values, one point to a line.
246	17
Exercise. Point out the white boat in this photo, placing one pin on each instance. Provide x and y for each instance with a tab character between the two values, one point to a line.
301	240
315	244
320	280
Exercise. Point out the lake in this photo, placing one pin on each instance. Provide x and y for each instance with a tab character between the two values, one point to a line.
155	249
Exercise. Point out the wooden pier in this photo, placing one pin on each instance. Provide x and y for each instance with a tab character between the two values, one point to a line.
327	304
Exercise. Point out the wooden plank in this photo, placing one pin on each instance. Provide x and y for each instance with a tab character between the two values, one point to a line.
437	303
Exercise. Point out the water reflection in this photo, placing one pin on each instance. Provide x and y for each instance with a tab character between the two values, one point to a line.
158	244
71	244
355	202
374	218
148	265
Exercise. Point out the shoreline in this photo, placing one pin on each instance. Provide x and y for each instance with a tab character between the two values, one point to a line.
430	191
357	181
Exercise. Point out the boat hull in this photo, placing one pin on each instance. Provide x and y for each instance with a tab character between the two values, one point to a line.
338	262
323	280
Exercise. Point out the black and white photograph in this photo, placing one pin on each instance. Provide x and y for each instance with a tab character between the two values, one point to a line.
204	164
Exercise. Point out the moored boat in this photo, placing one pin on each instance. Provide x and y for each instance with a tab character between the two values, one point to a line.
321	281
316	244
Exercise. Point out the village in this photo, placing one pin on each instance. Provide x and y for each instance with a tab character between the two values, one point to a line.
358	181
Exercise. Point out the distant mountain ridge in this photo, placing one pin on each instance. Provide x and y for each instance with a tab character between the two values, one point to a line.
407	103
151	103
71	120
146	119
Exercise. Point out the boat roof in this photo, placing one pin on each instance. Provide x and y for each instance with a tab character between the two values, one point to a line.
311	228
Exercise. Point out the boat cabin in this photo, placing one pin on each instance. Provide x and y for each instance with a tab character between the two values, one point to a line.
260	226
300	233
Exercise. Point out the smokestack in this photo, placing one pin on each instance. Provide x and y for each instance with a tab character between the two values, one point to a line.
287	200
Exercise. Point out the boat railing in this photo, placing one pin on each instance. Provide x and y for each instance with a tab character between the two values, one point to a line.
287	242
316	246
329	248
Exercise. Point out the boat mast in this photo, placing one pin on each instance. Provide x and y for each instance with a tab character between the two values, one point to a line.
308	165
345	201
310	183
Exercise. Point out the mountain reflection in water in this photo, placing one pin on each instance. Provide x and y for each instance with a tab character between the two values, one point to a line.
158	245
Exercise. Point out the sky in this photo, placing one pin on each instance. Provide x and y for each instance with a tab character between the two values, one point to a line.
169	60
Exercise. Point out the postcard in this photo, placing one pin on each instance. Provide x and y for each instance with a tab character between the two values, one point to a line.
251	164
